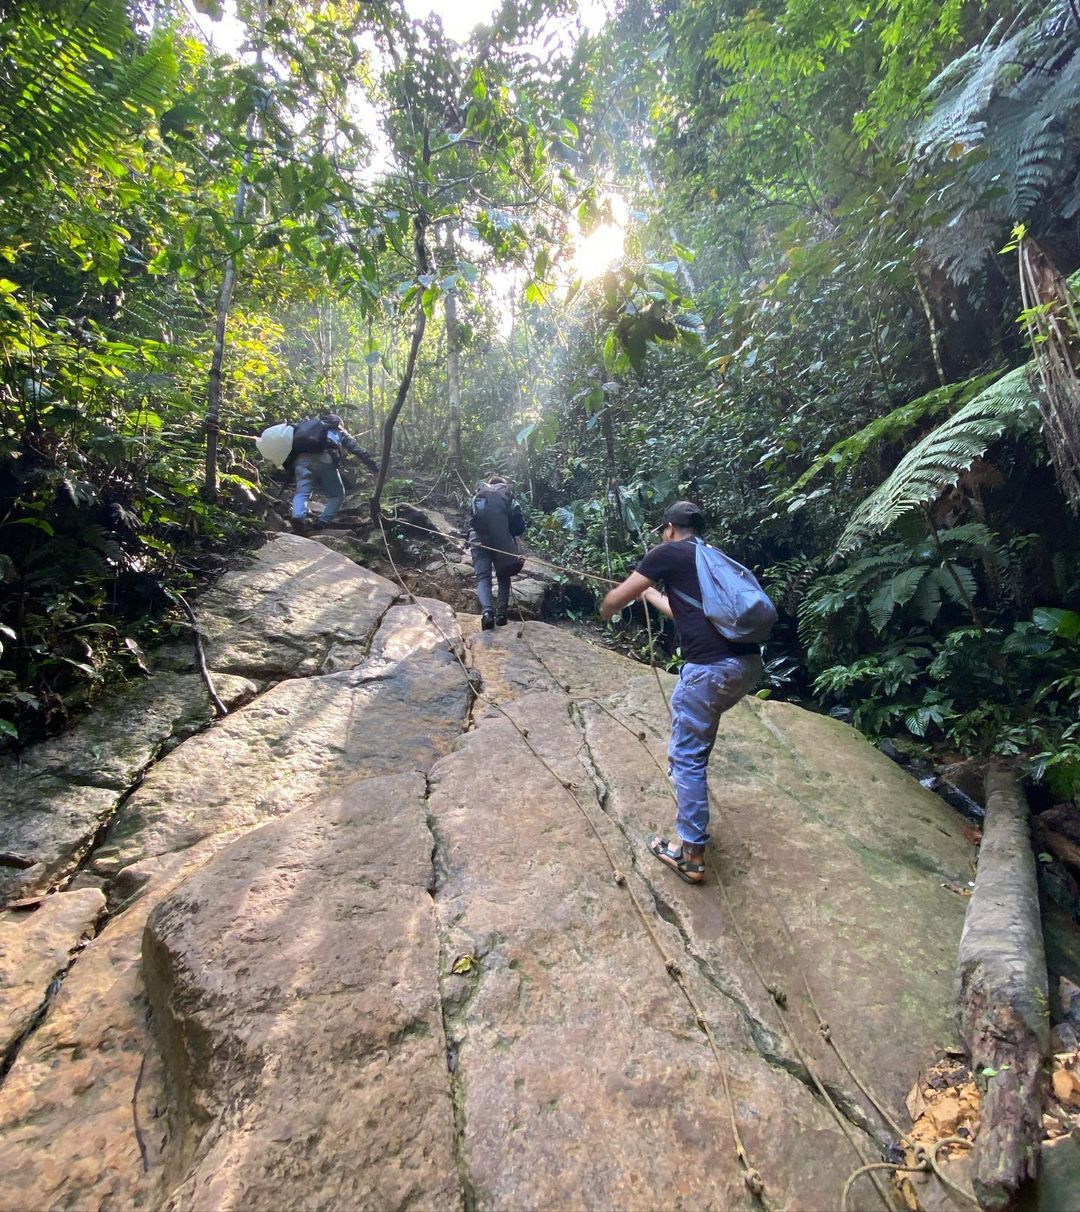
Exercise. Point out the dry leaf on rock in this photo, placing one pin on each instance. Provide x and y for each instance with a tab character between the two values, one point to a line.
916	1104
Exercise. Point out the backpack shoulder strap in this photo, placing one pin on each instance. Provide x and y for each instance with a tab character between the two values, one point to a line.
698	543
687	598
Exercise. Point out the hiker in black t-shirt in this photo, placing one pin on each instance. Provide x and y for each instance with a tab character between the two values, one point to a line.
716	674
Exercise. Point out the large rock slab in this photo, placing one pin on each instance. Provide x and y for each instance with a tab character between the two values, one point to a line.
583	1076
292	609
295	608
398	711
837	866
85	1096
58	795
35	948
295	988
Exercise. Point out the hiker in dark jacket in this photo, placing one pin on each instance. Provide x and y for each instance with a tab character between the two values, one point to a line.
495	521
717	673
316	459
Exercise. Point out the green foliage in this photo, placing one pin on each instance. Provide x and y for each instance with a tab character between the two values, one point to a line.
1000	133
936	462
74	80
843	455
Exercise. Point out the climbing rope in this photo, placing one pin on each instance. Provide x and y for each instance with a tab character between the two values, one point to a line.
578	573
771	991
751	1176
927	1159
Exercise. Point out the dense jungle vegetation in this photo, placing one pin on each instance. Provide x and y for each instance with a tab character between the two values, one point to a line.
808	263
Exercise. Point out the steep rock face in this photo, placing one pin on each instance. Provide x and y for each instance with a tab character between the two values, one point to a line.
397	711
85	1097
292	609
585	1080
839	870
35	948
56	798
360	957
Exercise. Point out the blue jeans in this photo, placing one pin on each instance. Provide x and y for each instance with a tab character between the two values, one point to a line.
703	694
484	566
313	472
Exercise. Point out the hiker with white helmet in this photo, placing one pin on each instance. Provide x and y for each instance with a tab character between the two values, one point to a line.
316	459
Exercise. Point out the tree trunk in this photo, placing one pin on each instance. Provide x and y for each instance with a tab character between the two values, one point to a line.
1003	996
419	325
453	372
1054	330
213	387
931	323
370	382
607	424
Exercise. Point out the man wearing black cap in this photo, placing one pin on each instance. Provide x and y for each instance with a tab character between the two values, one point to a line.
316	458
716	674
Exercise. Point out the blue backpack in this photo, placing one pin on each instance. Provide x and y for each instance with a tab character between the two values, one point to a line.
731	597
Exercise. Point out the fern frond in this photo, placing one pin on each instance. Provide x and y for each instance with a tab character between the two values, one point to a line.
856	575
897	592
935	463
1002	122
74	78
848	451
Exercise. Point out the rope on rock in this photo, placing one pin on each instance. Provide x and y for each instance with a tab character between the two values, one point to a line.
220	710
928	1158
870	1168
579	574
775	996
751	1176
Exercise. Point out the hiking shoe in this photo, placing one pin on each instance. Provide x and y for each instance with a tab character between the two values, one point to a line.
300	525
487	621
500	618
686	861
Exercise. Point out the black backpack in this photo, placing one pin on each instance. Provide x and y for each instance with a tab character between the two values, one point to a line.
310	437
491	510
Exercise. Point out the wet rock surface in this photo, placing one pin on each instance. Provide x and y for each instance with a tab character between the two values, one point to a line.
366	951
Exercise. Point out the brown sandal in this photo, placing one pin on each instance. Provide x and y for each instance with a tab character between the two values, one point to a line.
691	872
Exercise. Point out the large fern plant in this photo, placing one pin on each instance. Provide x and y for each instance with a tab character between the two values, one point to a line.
1001	135
844	454
74	78
936	463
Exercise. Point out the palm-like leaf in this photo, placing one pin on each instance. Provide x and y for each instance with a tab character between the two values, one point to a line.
936	462
74	78
848	451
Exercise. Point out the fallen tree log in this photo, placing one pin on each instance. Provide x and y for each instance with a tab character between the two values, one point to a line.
1003	998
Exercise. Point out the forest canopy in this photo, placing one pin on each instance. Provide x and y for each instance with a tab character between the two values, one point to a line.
809	264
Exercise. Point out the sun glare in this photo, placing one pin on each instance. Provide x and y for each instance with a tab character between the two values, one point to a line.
598	250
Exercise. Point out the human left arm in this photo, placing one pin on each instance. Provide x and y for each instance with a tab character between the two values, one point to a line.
655	598
354	448
622	595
